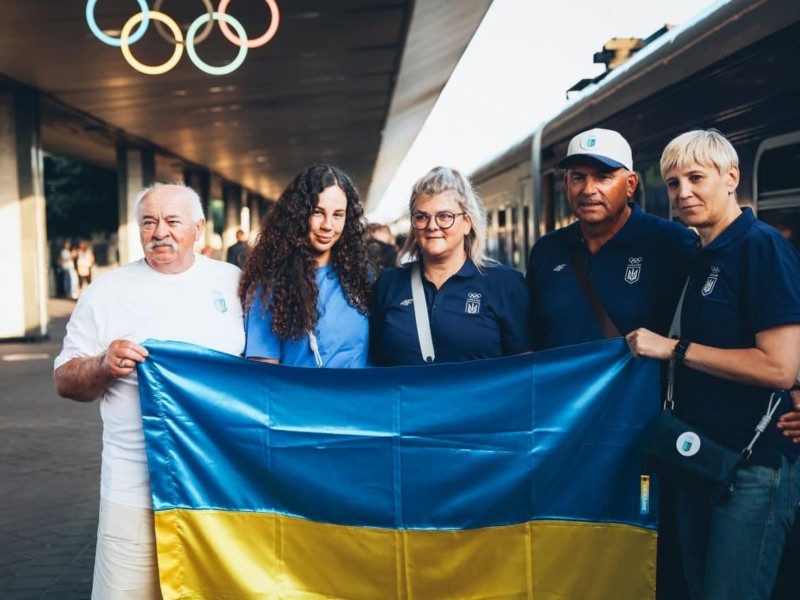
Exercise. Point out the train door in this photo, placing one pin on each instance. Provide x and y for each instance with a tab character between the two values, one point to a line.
527	206
776	184
507	252
562	213
503	251
491	234
652	191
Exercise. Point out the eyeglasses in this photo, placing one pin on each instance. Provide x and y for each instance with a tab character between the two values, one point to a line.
444	219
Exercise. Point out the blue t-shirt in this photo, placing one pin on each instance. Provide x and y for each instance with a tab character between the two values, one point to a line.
473	315
639	274
745	281
342	331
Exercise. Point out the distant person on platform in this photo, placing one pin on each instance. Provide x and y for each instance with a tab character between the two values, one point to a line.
237	253
84	262
381	245
69	276
170	294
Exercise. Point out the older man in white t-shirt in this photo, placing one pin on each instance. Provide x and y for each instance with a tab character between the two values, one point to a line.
170	294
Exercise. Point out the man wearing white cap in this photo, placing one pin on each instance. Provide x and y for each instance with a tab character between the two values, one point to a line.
634	264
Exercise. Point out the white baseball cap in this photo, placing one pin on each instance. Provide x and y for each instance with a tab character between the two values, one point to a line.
603	145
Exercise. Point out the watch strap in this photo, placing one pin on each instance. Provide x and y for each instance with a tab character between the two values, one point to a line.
680	350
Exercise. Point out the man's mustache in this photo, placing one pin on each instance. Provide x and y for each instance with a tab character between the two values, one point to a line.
165	242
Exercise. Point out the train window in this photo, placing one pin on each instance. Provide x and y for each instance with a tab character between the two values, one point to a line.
655	191
491	238
546	219
777	184
504	230
562	214
779	170
526	234
786	220
515	255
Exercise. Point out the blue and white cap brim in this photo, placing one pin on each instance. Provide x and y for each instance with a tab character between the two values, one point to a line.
571	159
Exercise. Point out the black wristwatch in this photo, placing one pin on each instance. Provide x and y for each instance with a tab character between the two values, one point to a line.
680	350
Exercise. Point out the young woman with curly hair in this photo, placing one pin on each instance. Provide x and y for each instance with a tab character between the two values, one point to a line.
307	283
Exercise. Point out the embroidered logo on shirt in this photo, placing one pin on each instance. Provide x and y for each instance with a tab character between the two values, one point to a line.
407	302
219	301
633	270
560	267
711	281
473	306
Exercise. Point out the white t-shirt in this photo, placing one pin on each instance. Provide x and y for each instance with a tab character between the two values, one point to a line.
199	306
67	261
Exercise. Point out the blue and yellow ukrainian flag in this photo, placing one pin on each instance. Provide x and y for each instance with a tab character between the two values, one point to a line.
518	477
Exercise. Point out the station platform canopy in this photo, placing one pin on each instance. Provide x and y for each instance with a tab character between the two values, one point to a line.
348	82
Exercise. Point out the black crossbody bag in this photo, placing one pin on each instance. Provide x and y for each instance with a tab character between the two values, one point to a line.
687	457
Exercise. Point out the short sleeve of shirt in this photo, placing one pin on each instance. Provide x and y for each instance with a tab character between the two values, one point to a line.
515	311
82	335
773	276
260	340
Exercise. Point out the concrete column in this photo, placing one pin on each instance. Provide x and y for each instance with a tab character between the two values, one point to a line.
254	204
136	170
24	259
200	181
232	196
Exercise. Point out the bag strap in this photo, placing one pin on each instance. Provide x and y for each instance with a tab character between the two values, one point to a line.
669	402
674	333
314	345
761	427
675	326
421	315
589	290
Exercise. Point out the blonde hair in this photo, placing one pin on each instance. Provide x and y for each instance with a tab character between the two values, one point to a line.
444	179
705	147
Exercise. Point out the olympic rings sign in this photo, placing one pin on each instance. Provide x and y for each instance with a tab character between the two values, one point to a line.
172	33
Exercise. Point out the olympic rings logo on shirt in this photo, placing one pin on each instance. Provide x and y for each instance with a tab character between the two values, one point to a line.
172	33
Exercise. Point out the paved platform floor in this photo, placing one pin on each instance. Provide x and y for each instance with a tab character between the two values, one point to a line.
49	474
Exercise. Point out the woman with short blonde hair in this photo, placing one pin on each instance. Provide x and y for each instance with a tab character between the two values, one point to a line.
740	340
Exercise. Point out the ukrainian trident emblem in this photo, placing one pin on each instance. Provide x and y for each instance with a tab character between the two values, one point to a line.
633	270
473	306
711	281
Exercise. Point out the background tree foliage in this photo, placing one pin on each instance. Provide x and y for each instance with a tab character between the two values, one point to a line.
81	198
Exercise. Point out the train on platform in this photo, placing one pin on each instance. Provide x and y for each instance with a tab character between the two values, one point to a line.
735	68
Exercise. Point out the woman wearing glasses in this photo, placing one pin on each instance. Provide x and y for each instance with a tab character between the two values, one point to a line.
476	308
306	283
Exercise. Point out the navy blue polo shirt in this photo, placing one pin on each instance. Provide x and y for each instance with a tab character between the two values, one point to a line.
473	315
639	274
745	281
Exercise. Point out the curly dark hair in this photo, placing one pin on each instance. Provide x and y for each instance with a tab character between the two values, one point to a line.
282	265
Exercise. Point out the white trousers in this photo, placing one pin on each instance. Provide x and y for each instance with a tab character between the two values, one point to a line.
125	564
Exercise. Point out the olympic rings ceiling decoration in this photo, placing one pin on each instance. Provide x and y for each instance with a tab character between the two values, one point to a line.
168	29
